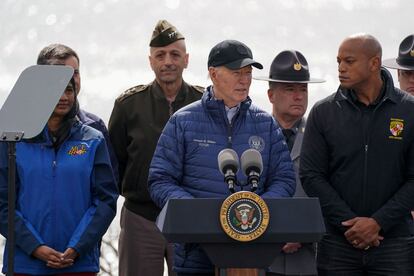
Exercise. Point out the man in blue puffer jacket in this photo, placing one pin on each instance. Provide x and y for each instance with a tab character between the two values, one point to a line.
185	161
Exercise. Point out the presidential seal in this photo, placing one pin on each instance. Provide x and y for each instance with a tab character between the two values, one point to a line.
244	216
257	143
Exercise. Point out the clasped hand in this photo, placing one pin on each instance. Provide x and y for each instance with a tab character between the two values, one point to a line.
363	232
55	259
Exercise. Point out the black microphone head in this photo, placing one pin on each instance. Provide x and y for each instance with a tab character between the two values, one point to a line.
228	159
250	160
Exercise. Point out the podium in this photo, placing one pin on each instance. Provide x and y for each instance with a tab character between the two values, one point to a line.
197	221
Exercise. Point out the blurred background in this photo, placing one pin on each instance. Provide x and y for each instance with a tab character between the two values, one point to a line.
112	37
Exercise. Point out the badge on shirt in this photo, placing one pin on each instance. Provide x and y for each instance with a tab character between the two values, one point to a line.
396	128
77	150
257	143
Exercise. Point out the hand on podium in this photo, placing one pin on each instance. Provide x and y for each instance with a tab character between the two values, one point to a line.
291	247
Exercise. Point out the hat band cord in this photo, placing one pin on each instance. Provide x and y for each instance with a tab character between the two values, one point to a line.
405	61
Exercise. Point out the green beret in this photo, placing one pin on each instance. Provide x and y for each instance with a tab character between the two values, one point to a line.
164	34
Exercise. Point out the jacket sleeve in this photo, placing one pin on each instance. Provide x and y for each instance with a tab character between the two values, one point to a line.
166	168
26	236
114	161
94	121
281	179
99	216
118	137
395	210
314	172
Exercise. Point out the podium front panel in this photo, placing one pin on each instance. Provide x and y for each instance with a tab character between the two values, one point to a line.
197	221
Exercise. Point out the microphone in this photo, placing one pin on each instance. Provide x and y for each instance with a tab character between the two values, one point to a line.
252	166
228	162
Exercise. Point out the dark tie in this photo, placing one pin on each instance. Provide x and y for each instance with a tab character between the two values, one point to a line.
289	137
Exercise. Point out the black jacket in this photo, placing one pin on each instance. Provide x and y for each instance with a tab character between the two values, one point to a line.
360	162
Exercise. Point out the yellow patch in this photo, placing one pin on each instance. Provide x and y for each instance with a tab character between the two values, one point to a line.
412	53
396	128
297	66
77	150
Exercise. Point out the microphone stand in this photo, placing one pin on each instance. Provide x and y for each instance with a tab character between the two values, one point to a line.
232	183
231	180
253	179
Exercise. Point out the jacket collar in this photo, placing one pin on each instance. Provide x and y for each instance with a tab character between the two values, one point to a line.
83	117
297	145
343	94
212	103
45	138
159	94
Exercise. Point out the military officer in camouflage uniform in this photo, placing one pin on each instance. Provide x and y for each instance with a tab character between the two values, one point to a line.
136	122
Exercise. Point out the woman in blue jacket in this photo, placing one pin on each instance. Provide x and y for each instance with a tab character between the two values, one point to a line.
66	196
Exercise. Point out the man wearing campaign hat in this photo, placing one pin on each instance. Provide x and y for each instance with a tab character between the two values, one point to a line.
136	122
288	92
185	160
405	64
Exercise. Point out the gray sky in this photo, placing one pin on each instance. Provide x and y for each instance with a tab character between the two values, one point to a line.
112	36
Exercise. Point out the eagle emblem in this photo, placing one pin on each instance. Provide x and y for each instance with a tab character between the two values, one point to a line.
244	216
257	143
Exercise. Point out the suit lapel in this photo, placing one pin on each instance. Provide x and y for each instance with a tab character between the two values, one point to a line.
297	145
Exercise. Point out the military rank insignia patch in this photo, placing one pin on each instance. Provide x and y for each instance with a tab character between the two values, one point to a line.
396	128
77	150
244	216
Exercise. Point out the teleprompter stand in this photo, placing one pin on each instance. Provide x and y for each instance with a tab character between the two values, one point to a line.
23	116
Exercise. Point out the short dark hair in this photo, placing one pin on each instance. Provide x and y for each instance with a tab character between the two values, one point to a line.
55	52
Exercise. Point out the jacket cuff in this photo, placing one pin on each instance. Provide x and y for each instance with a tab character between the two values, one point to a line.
31	248
381	222
77	249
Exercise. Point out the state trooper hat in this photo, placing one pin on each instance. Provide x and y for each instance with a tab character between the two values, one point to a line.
164	34
232	54
290	66
405	59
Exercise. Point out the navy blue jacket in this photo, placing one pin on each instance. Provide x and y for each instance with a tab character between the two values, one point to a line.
185	160
94	121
